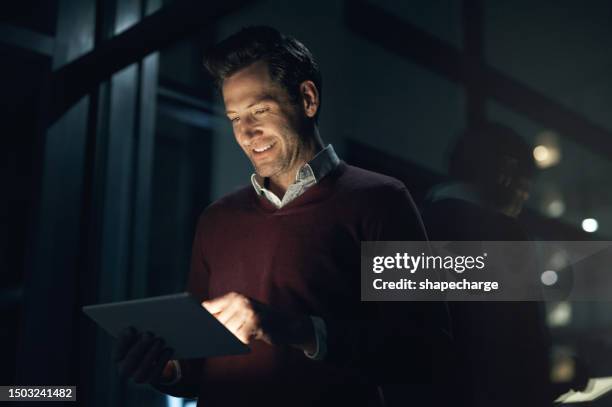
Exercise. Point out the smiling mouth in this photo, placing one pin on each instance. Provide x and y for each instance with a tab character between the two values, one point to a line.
264	148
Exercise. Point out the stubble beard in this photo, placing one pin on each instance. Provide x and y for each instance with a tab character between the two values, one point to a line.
273	167
283	163
269	169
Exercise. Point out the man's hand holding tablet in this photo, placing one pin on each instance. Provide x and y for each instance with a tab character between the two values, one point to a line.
143	357
151	331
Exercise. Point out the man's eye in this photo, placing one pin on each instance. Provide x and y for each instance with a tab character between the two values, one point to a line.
235	119
262	110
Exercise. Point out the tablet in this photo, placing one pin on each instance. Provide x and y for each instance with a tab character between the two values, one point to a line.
179	319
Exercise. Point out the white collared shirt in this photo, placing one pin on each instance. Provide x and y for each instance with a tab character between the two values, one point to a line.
308	175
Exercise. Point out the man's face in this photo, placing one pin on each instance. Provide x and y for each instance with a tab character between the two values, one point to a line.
520	195
515	191
264	121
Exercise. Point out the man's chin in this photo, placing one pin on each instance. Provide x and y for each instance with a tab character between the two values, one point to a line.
268	168
265	171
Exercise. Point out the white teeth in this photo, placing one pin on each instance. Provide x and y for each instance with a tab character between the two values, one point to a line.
261	150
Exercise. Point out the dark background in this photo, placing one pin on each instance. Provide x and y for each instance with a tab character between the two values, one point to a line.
113	141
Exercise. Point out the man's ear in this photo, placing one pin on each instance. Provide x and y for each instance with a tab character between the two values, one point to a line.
310	98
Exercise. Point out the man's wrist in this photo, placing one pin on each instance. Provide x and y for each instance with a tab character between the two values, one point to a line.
320	333
301	334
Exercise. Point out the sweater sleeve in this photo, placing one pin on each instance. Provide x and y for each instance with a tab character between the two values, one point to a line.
189	380
392	341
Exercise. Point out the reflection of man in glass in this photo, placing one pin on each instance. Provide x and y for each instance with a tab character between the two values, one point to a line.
503	347
277	262
491	168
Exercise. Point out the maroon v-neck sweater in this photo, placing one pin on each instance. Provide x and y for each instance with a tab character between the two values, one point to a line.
304	258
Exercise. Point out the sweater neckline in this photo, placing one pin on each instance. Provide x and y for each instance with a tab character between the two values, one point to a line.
321	190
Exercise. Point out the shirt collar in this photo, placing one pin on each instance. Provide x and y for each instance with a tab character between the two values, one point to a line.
316	169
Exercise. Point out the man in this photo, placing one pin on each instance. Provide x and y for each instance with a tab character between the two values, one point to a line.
278	261
491	169
504	346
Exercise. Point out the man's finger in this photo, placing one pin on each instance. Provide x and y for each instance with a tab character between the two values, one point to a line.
243	336
135	354
235	322
216	305
143	370
125	340
245	332
229	313
156	373
231	319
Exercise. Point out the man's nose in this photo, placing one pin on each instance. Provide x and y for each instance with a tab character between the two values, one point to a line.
248	129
